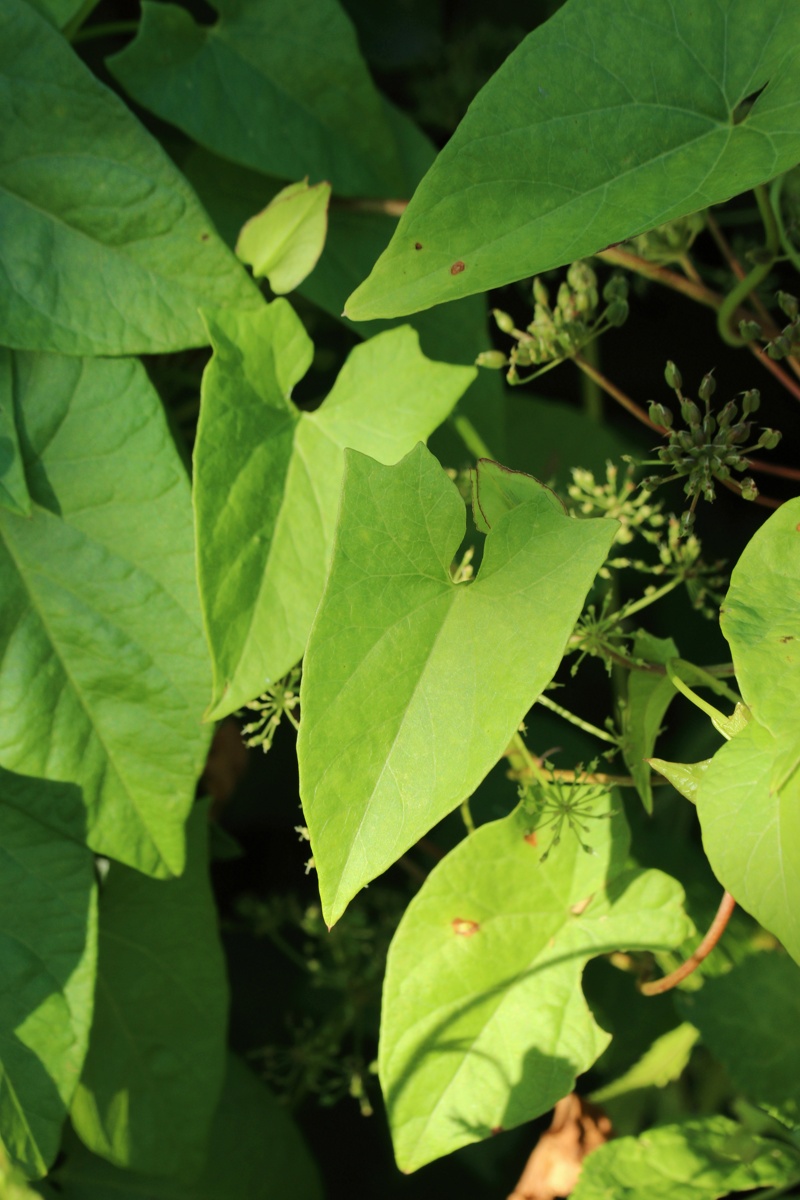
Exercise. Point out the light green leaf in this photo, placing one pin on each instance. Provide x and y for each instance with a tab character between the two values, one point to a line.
576	143
268	477
649	697
48	955
254	1150
497	489
278	87
684	777
697	1160
761	620
752	785
103	246
413	684
285	240
156	1060
747	1019
14	494
103	666
664	1062
484	1022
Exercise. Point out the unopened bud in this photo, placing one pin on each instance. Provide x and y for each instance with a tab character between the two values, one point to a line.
686	523
727	414
540	293
709	426
789	304
708	385
495	360
769	439
616	288
749	330
660	415
581	277
673	376
751	400
749	489
505	323
780	347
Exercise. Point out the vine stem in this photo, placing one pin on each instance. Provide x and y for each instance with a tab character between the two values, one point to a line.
546	702
470	436
658	986
109	29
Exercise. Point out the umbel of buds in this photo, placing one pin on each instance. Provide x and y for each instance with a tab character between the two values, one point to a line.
561	329
711	446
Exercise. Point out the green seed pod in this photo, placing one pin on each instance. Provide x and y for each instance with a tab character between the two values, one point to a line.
673	376
749	330
581	277
616	288
751	401
495	360
690	412
709	426
739	432
504	322
617	312
685	439
789	304
686	524
749	489
726	415
708	385
660	415
769	439
779	348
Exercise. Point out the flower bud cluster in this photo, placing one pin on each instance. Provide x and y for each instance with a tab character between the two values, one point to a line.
667	243
788	340
711	446
559	328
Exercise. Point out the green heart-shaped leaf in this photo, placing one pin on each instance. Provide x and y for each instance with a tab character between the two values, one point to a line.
612	117
413	684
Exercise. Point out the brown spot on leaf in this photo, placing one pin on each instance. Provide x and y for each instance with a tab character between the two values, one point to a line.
465	928
497	1129
417	245
458	267
789	638
204	237
581	906
531	838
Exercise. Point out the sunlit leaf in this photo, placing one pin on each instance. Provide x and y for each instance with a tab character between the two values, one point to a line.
414	684
285	240
578	142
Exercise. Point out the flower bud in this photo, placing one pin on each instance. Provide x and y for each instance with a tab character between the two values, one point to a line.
505	323
617	312
709	426
769	439
726	415
686	523
495	360
789	304
749	489
749	330
673	376
616	288
779	347
581	277
708	385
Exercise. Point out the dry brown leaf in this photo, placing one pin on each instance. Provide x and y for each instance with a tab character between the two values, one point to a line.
553	1168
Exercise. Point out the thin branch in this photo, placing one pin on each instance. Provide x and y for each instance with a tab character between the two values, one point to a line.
390	208
726	907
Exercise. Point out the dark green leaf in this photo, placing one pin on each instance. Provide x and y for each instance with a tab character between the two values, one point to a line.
103	670
268	477
156	1058
14	493
104	248
277	87
484	1021
748	1020
413	684
577	142
48	955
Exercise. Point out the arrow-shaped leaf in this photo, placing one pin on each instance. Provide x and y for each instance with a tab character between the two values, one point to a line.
414	684
484	1022
577	142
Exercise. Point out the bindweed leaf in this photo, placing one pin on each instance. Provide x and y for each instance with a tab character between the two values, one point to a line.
285	240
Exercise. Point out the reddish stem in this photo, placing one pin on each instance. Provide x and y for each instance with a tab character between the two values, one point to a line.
726	907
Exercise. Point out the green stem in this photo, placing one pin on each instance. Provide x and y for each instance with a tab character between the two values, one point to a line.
755	277
289	951
466	816
531	763
84	12
109	29
716	716
646	601
591	392
546	702
712	681
470	436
